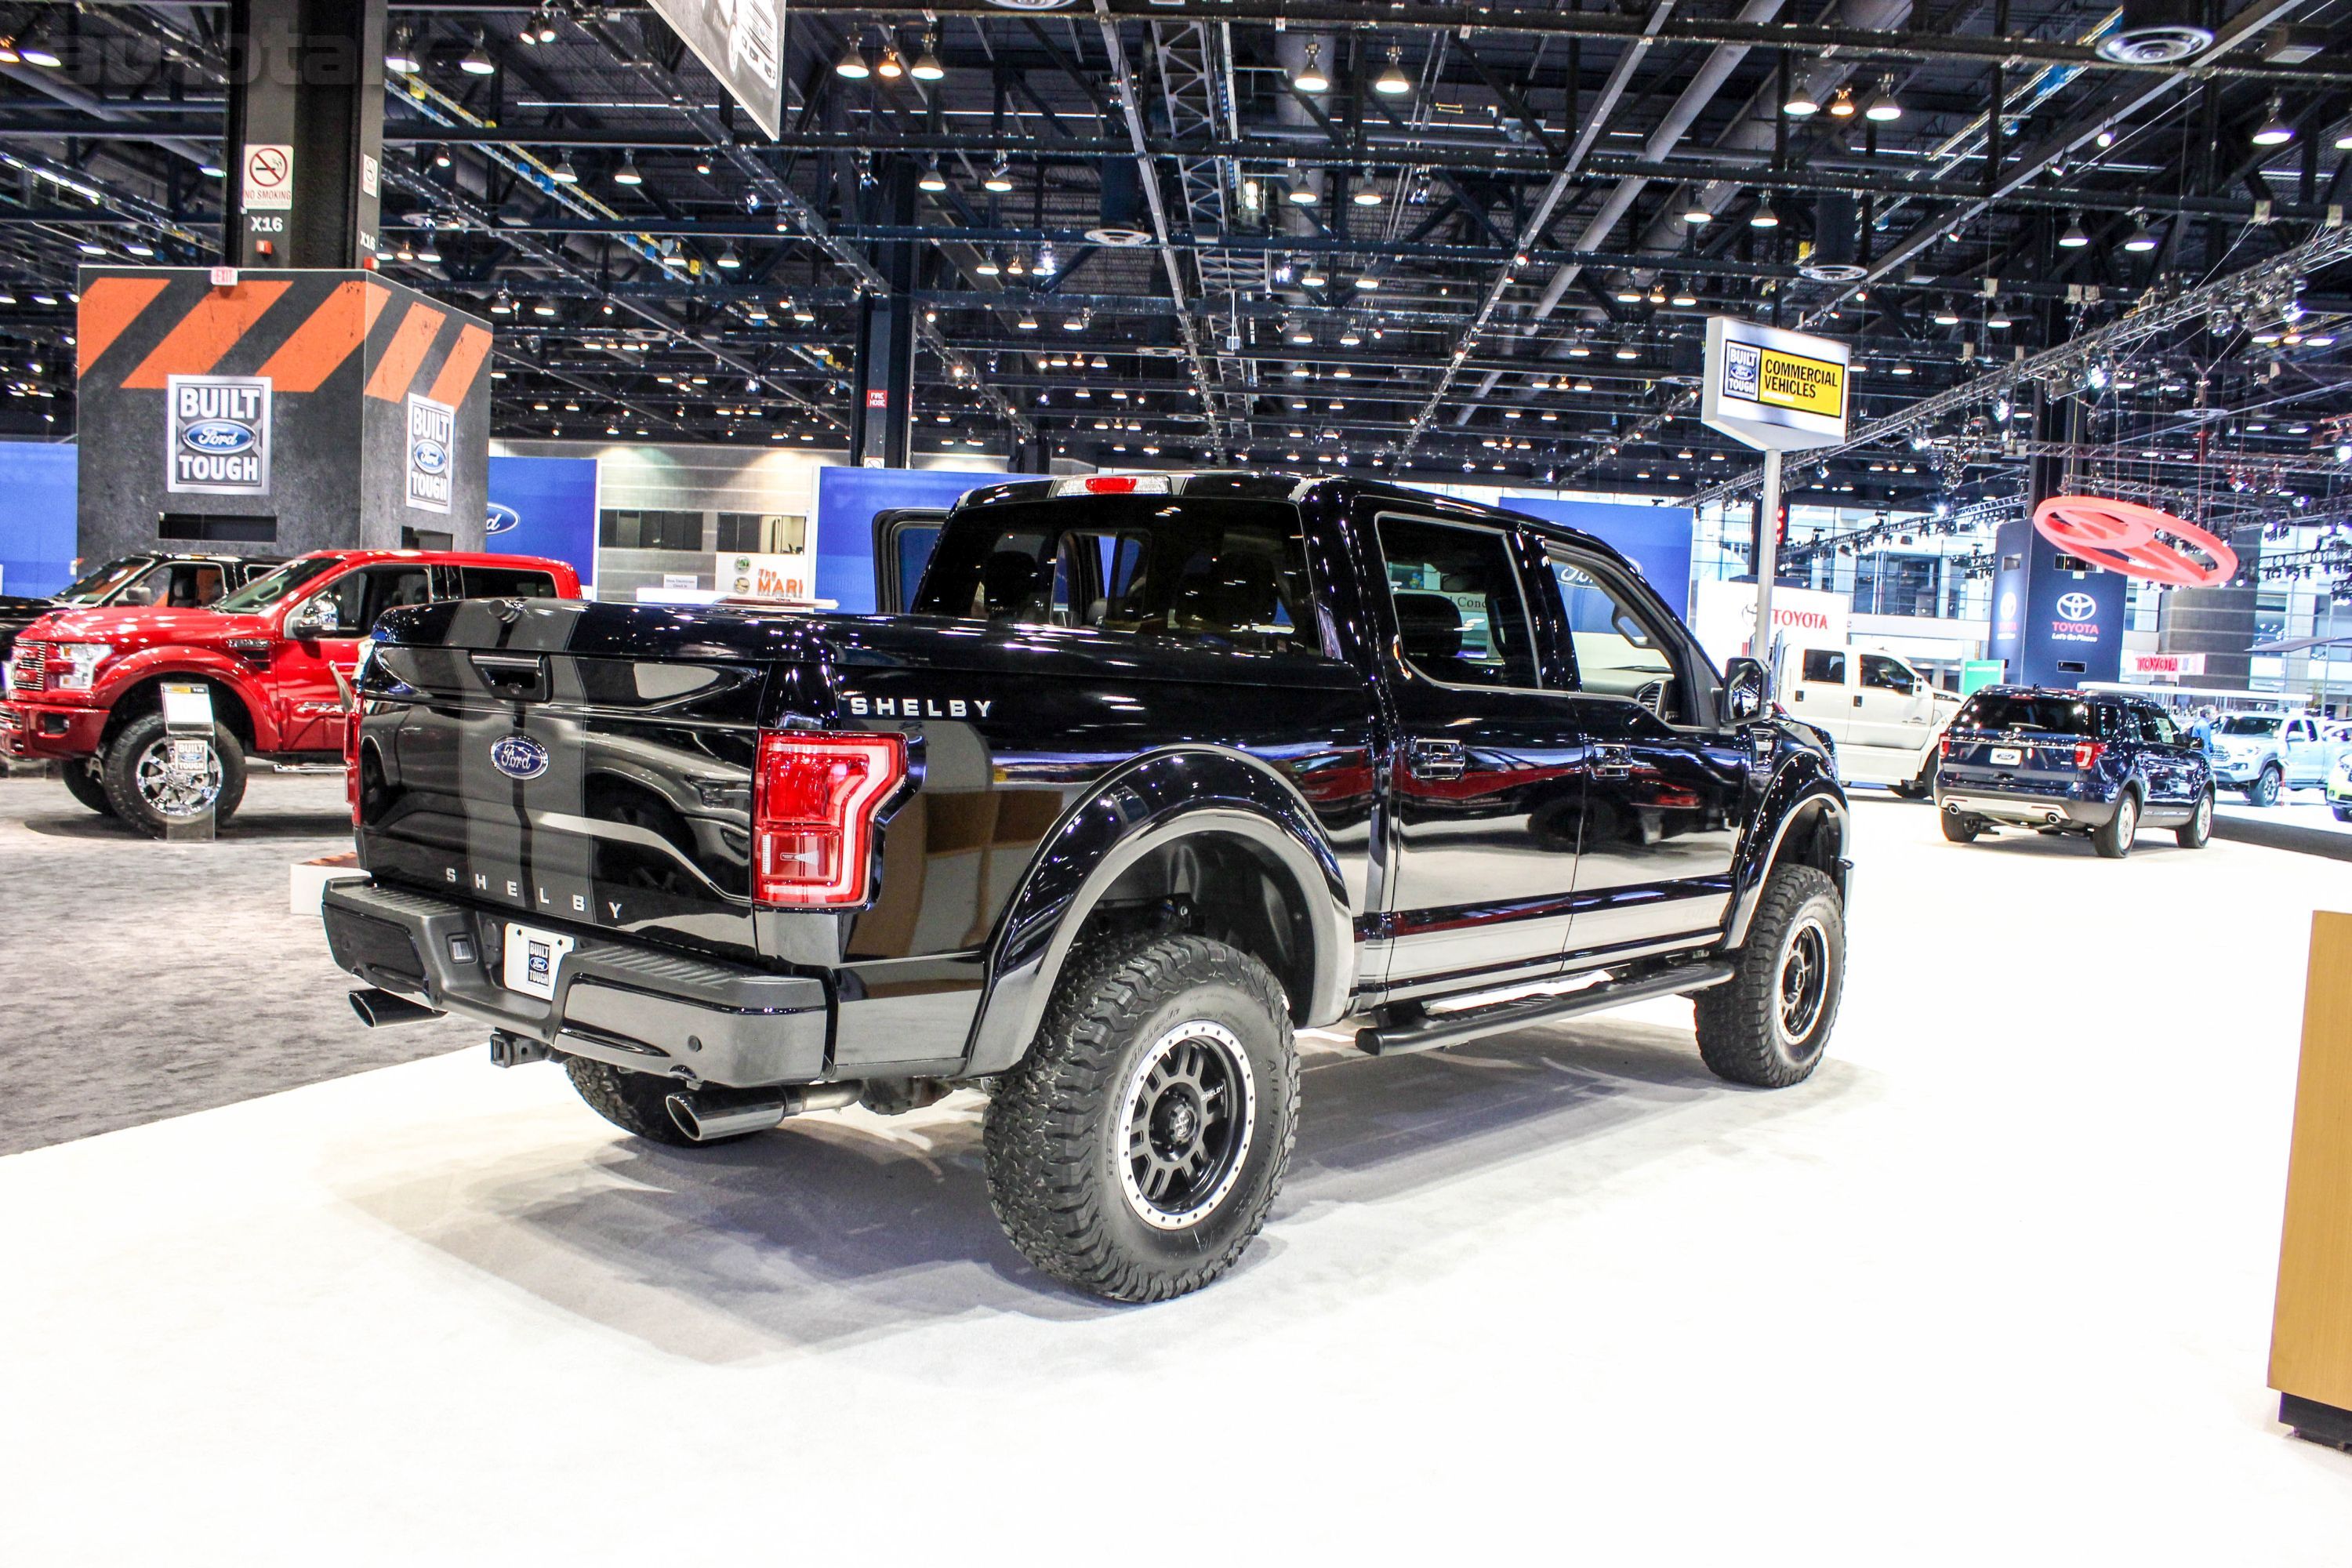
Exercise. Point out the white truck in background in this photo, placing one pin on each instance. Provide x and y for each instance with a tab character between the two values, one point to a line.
1883	715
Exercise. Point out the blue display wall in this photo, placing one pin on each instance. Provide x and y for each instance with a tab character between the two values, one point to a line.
544	506
846	502
36	525
1657	539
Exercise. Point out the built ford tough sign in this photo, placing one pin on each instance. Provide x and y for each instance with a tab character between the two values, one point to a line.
1153	772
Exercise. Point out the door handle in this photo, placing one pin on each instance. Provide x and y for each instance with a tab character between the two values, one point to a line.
1611	762
1857	699
1437	759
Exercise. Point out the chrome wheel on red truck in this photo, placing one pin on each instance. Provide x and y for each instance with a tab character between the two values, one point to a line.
152	790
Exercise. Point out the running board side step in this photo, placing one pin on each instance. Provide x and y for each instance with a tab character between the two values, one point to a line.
1434	1029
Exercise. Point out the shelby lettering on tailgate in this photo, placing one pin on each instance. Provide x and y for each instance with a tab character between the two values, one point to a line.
564	897
920	707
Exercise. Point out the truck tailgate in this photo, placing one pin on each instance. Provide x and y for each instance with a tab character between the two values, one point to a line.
578	789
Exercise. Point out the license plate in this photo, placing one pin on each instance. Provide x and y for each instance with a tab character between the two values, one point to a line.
2007	756
532	958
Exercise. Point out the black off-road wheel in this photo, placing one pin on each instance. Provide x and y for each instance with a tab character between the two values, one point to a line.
2112	838
1769	1024
1135	1150
2264	790
2194	833
82	782
152	796
1957	828
635	1103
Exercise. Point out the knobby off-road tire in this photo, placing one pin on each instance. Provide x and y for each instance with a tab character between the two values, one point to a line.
1135	1150
2194	833
2264	790
1769	1024
634	1102
141	795
84	785
1957	827
2112	838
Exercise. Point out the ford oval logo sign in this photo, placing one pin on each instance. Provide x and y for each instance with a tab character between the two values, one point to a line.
519	757
2076	607
217	437
429	457
501	519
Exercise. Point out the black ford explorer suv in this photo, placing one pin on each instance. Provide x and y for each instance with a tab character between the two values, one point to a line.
2101	764
1156	771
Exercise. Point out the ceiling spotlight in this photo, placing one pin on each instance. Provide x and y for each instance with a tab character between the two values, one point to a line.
729	260
1946	317
400	55
986	266
442	158
2139	240
1628	292
1366	282
891	67
1313	278
999	177
1657	293
2274	131
1841	105
563	174
1881	107
803	313
852	63
1047	264
1903	367
1802	104
1696	213
1074	323
2097	377
926	67
502	304
1302	190
542	308
1311	77
1998	319
429	254
1367	191
137	247
626	174
474	61
1627	351
1349	338
1027	323
2075	237
2002	408
1393	82
1764	216
1014	266
1300	332
930	179
1685	297
35	53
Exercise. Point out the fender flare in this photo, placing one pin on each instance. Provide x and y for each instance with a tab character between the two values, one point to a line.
1801	789
214	671
1155	800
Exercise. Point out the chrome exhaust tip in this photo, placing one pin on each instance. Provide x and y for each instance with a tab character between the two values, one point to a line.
381	1009
707	1115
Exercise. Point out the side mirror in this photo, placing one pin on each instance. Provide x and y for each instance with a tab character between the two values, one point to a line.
318	618
1743	690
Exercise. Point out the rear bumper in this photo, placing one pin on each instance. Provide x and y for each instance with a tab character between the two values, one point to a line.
49	730
639	1008
2027	810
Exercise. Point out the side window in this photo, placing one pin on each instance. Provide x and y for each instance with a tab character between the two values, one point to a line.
1884	674
153	588
504	583
1825	664
1460	614
359	597
1618	651
2299	733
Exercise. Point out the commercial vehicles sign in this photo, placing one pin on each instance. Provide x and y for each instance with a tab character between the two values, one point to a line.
218	441
1774	390
432	453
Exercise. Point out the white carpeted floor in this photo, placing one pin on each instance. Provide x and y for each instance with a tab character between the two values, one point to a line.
1994	1287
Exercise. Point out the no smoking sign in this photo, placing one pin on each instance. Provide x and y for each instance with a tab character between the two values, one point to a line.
268	176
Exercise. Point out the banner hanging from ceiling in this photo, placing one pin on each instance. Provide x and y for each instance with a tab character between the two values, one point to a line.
742	42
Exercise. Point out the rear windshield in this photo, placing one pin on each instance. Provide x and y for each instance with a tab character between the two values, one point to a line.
1227	572
2252	724
2051	715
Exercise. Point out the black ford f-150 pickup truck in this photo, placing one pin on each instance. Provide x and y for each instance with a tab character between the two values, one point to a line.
1155	770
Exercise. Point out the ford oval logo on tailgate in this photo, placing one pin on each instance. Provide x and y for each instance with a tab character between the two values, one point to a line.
218	436
519	757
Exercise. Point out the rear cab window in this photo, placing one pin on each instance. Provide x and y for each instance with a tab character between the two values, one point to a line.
1824	665
1219	572
504	583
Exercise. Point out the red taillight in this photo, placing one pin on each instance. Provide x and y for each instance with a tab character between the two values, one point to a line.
352	762
2088	752
1943	745
812	804
1110	484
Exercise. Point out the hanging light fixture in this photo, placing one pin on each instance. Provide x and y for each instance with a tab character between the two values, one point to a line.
986	266
852	63
1841	105
890	67
1802	104
1027	323
1393	82
1014	266
999	177
1309	76
2274	131
627	175
729	260
476	61
1882	107
502	304
563	174
2139	240
927	66
1302	189
1366	282
1946	317
1764	216
1368	190
2075	237
1686	297
930	179
1657	293
399	58
1696	213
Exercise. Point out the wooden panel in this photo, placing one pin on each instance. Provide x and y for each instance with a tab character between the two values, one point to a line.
2311	1331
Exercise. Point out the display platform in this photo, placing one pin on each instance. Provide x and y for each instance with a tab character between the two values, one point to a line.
1995	1284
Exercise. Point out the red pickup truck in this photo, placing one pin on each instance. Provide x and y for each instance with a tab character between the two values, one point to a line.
84	686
